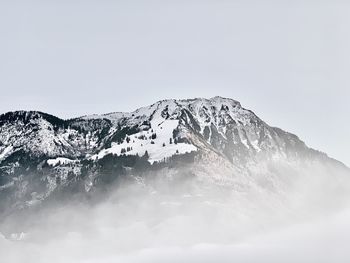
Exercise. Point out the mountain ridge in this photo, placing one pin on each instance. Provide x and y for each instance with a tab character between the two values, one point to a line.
41	154
116	116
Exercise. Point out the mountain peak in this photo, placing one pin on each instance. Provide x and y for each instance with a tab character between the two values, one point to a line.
27	116
212	100
220	99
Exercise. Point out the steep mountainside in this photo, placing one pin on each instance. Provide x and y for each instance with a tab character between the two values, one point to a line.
217	139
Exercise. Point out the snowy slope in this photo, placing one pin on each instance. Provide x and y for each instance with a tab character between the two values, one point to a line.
159	148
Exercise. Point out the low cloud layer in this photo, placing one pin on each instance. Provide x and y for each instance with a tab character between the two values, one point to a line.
187	222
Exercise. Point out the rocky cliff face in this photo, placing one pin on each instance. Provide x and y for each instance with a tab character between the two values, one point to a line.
217	139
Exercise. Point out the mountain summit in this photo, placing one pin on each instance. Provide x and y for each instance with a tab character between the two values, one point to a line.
216	139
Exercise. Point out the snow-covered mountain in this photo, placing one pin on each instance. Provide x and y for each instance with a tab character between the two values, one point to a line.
217	139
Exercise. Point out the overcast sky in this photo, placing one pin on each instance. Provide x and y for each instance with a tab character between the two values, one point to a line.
288	62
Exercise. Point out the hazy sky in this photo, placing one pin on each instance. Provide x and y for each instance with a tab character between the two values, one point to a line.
289	61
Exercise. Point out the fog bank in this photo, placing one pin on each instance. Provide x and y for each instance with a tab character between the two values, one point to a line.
164	221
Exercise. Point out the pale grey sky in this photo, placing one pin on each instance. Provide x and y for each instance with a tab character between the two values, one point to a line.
289	61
